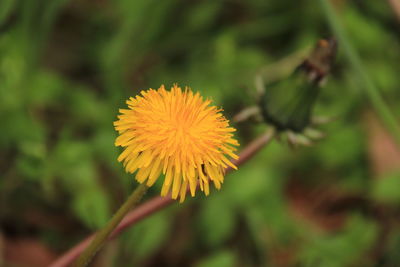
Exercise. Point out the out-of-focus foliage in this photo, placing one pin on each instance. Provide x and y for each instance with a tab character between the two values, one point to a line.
66	66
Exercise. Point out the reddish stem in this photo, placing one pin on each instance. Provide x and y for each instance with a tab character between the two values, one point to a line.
157	203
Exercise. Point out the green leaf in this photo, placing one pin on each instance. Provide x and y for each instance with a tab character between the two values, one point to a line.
148	235
333	157
73	165
342	249
216	219
202	15
6	7
224	258
258	179
386	189
92	207
45	89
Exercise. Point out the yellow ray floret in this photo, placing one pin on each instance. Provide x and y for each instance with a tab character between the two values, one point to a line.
178	134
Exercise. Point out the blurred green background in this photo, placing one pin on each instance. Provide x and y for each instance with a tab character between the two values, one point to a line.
66	66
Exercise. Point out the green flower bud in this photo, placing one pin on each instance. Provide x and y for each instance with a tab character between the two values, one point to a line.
288	104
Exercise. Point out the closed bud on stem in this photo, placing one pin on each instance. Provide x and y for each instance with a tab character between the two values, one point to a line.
288	103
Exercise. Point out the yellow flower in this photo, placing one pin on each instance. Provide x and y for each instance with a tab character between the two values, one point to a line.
179	134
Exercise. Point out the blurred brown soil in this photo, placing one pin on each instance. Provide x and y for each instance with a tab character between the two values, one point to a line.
313	203
383	152
27	252
325	207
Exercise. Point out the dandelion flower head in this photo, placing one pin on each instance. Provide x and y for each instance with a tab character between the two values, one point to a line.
176	133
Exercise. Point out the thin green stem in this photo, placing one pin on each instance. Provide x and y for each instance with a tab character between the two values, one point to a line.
354	59
158	203
102	236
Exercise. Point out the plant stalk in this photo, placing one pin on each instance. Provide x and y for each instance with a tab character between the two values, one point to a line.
102	236
159	203
354	59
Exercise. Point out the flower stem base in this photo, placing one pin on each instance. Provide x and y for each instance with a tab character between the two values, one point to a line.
102	236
